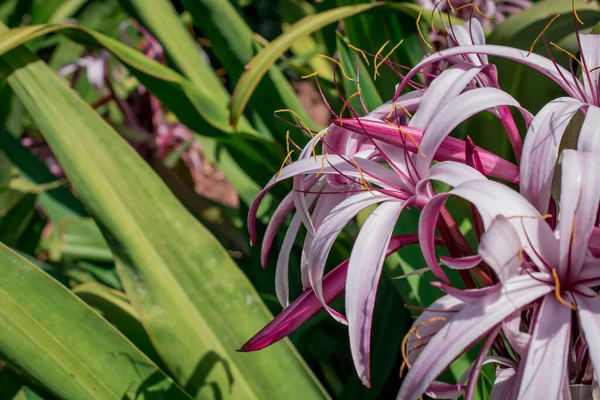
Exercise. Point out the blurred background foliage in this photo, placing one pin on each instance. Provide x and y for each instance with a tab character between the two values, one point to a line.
135	134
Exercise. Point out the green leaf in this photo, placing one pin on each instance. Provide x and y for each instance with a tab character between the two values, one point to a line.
234	44
63	344
115	307
192	299
261	63
14	223
81	239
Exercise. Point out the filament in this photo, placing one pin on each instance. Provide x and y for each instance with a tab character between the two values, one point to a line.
338	64
559	297
542	33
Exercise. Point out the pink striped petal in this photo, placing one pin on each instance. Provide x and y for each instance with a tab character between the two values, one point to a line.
499	246
589	136
441	390
454	113
307	305
580	195
558	74
466	327
504	384
589	317
470	33
451	149
364	270
488	293
461	263
546	359
540	149
589	53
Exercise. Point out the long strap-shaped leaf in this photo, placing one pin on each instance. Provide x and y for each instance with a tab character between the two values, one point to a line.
65	345
195	303
261	63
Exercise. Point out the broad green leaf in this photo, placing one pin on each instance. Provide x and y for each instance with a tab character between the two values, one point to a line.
67	347
261	63
81	239
14	223
115	308
234	44
192	299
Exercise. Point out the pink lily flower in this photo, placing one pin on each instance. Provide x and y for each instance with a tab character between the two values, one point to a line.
550	272
545	132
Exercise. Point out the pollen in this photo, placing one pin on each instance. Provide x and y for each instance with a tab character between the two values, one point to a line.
476	9
377	65
346	103
364	55
285	160
322	164
394	107
362	176
310	75
412	139
542	33
300	121
571	55
421	33
338	64
559	297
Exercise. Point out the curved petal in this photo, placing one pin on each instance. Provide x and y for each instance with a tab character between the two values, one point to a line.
461	263
364	270
466	327
579	198
589	50
449	172
283	258
504	384
451	149
500	246
410	101
558	74
327	234
540	149
518	340
470	33
488	293
589	317
441	390
307	305
546	358
449	84
589	136
454	113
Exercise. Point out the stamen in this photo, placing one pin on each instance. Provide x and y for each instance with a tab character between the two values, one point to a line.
287	141
521	257
362	176
377	56
346	105
545	216
557	291
310	75
386	57
412	139
476	9
319	136
300	121
338	64
419	28
359	51
285	160
542	33
394	108
567	52
322	164
594	69
575	13
406	337
451	6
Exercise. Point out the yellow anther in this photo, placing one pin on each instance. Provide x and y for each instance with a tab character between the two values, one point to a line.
346	102
594	69
377	65
557	292
364	55
300	121
521	256
285	160
542	33
545	216
419	30
338	64
567	53
575	13
394	107
362	176
412	139
287	141
376	56
319	136
476	9
451	6
310	75
322	164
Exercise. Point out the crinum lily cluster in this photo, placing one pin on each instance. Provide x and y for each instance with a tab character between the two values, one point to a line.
530	284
